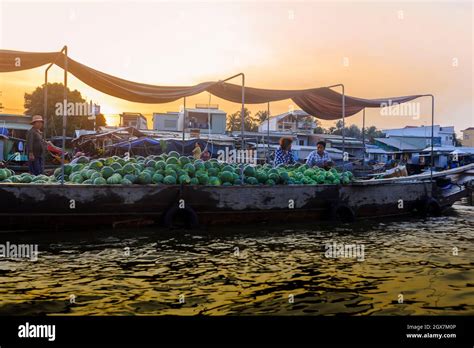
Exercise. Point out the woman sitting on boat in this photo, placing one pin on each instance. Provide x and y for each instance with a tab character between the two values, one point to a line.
283	155
320	157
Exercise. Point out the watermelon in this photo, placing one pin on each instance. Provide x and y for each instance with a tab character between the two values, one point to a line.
107	172
131	177
144	178
173	154
3	174
194	181
128	168
213	172
252	180
249	171
270	182
183	160
157	178
125	182
203	178
226	176
169	180
261	177
115	179
171	172
214	181
189	168
100	181
184	179
199	165
26	178
160	165
77	167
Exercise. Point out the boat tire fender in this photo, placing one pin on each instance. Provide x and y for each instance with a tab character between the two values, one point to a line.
187	215
342	212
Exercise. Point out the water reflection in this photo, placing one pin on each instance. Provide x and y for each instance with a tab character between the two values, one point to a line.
257	270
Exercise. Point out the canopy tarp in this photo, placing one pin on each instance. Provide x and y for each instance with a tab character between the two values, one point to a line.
322	102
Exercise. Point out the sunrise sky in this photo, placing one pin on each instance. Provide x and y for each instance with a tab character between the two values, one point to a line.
392	49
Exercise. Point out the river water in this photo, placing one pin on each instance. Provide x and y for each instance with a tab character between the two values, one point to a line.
400	267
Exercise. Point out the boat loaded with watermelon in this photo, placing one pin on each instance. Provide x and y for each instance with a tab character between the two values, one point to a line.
172	189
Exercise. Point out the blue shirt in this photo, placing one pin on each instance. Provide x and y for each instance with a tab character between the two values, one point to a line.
283	157
315	159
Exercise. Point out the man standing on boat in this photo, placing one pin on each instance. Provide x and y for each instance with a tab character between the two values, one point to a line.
35	146
283	155
319	157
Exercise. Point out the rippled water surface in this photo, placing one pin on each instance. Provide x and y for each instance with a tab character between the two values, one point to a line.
251	270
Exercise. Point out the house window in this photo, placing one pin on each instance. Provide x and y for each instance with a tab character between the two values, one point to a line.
170	123
301	142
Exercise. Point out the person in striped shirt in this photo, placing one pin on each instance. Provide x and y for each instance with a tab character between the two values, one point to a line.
284	155
319	157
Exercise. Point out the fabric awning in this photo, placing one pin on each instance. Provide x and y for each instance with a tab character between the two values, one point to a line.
323	102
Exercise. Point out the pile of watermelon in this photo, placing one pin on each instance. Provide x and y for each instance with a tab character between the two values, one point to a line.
172	169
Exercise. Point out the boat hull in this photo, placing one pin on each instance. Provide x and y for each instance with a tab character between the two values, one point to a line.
58	206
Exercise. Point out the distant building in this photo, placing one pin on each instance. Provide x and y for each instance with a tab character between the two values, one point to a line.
442	135
133	119
352	146
201	119
166	121
468	137
293	121
13	129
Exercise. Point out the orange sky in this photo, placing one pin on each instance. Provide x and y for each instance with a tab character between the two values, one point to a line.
393	49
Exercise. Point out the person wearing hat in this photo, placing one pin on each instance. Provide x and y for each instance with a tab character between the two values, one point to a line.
35	146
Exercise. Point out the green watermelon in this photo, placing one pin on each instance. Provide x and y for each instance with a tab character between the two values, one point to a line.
226	176
144	178
169	180
160	165
194	181
131	177
189	168
249	171
184	179
173	154
214	181
100	181
183	160
115	179
128	168
157	178
203	178
3	174
126	182
107	172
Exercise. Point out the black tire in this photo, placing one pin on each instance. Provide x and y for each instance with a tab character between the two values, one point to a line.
343	213
432	207
176	217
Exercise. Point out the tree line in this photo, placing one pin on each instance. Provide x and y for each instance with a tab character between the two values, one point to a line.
251	123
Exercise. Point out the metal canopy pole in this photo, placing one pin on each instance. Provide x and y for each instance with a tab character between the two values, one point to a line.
343	120
268	133
242	118
184	123
432	136
64	116
45	91
363	133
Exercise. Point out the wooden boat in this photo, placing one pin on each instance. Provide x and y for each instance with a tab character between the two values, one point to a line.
26	206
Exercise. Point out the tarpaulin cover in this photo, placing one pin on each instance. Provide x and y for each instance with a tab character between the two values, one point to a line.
323	102
152	146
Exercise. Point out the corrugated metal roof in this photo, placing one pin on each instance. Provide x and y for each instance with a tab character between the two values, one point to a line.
397	143
19	126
